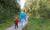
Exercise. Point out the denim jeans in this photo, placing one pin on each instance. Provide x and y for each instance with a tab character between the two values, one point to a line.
23	22
16	24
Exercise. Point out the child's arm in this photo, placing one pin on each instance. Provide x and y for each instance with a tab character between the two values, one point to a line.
18	20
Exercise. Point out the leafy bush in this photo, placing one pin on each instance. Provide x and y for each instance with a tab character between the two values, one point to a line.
37	24
8	8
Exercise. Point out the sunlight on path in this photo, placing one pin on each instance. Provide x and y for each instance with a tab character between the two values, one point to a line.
19	28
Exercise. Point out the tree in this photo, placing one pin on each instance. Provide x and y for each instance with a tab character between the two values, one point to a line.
8	8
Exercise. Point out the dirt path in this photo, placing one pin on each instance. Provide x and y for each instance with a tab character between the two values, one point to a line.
19	28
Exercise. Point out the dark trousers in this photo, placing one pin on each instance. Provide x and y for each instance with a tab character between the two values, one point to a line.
16	24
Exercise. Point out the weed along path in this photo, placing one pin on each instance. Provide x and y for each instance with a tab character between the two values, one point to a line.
19	25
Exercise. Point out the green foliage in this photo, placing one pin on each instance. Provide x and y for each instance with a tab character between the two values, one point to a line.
37	24
43	10
8	8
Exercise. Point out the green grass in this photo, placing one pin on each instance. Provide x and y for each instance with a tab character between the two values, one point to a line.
37	24
7	23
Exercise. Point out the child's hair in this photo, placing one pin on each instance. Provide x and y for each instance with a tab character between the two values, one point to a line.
15	17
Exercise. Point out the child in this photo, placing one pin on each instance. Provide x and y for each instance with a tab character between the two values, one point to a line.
16	22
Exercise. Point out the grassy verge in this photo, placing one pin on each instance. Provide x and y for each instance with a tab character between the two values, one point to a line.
8	23
37	24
